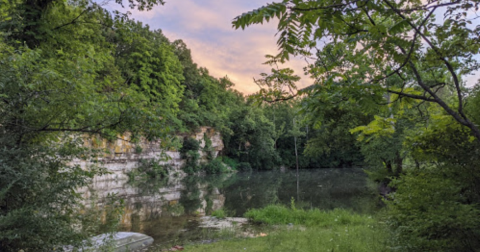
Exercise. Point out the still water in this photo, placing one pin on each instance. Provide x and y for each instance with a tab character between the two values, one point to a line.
169	210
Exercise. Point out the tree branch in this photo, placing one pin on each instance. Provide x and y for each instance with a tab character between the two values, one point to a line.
418	97
74	20
280	99
439	54
412	47
323	7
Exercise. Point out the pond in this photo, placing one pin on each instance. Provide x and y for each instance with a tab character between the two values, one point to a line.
169	210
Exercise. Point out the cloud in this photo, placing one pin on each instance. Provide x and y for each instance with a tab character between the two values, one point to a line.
205	26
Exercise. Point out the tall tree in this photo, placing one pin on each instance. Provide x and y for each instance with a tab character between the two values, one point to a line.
58	84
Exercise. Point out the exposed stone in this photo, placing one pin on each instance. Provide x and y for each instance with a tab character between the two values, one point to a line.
117	242
123	156
228	222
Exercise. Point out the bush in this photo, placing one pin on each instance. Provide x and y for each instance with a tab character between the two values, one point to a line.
220	213
215	167
208	146
429	212
38	203
230	162
189	152
152	168
189	144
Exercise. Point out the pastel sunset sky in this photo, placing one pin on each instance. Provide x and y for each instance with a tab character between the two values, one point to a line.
206	27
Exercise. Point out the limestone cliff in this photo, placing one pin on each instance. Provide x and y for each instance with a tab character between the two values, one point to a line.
123	156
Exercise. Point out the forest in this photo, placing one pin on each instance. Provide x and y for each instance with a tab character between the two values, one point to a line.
389	94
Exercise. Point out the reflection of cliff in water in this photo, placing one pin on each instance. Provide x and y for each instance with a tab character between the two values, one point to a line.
168	210
159	205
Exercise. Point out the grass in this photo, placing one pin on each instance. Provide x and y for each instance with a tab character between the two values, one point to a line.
314	239
276	214
312	230
220	213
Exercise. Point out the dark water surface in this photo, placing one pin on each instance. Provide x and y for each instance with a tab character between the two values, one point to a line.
169	210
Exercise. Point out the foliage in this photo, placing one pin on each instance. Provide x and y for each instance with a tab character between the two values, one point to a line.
435	202
430	213
244	166
375	39
359	238
152	168
215	166
148	63
331	142
208	146
232	163
58	84
251	140
36	197
277	214
189	152
278	85
220	213
394	60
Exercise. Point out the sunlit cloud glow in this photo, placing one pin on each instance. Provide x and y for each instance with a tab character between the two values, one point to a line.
205	26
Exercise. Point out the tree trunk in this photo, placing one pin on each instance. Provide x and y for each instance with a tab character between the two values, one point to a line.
399	164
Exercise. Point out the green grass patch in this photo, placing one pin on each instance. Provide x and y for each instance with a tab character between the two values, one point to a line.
359	238
312	230
276	214
220	213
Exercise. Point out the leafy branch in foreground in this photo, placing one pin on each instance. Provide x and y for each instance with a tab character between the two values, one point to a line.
366	43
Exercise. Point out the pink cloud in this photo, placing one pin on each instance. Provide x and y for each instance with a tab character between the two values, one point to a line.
206	28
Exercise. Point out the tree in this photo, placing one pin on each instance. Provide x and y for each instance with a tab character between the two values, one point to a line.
58	84
397	53
149	65
295	133
331	119
366	43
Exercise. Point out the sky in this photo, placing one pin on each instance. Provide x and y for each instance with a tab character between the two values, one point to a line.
206	27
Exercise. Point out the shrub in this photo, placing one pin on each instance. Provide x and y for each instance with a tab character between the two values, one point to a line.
138	149
430	212
219	213
215	167
152	168
38	203
189	152
189	144
208	146
230	162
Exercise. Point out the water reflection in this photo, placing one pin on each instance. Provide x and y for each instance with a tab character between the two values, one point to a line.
168	209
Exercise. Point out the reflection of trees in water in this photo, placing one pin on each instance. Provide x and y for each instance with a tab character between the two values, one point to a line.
150	186
200	192
322	188
161	208
190	195
254	189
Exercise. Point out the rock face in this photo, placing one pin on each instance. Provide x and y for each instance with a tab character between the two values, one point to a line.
124	156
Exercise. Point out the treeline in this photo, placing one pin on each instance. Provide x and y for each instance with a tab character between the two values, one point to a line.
70	68
394	76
